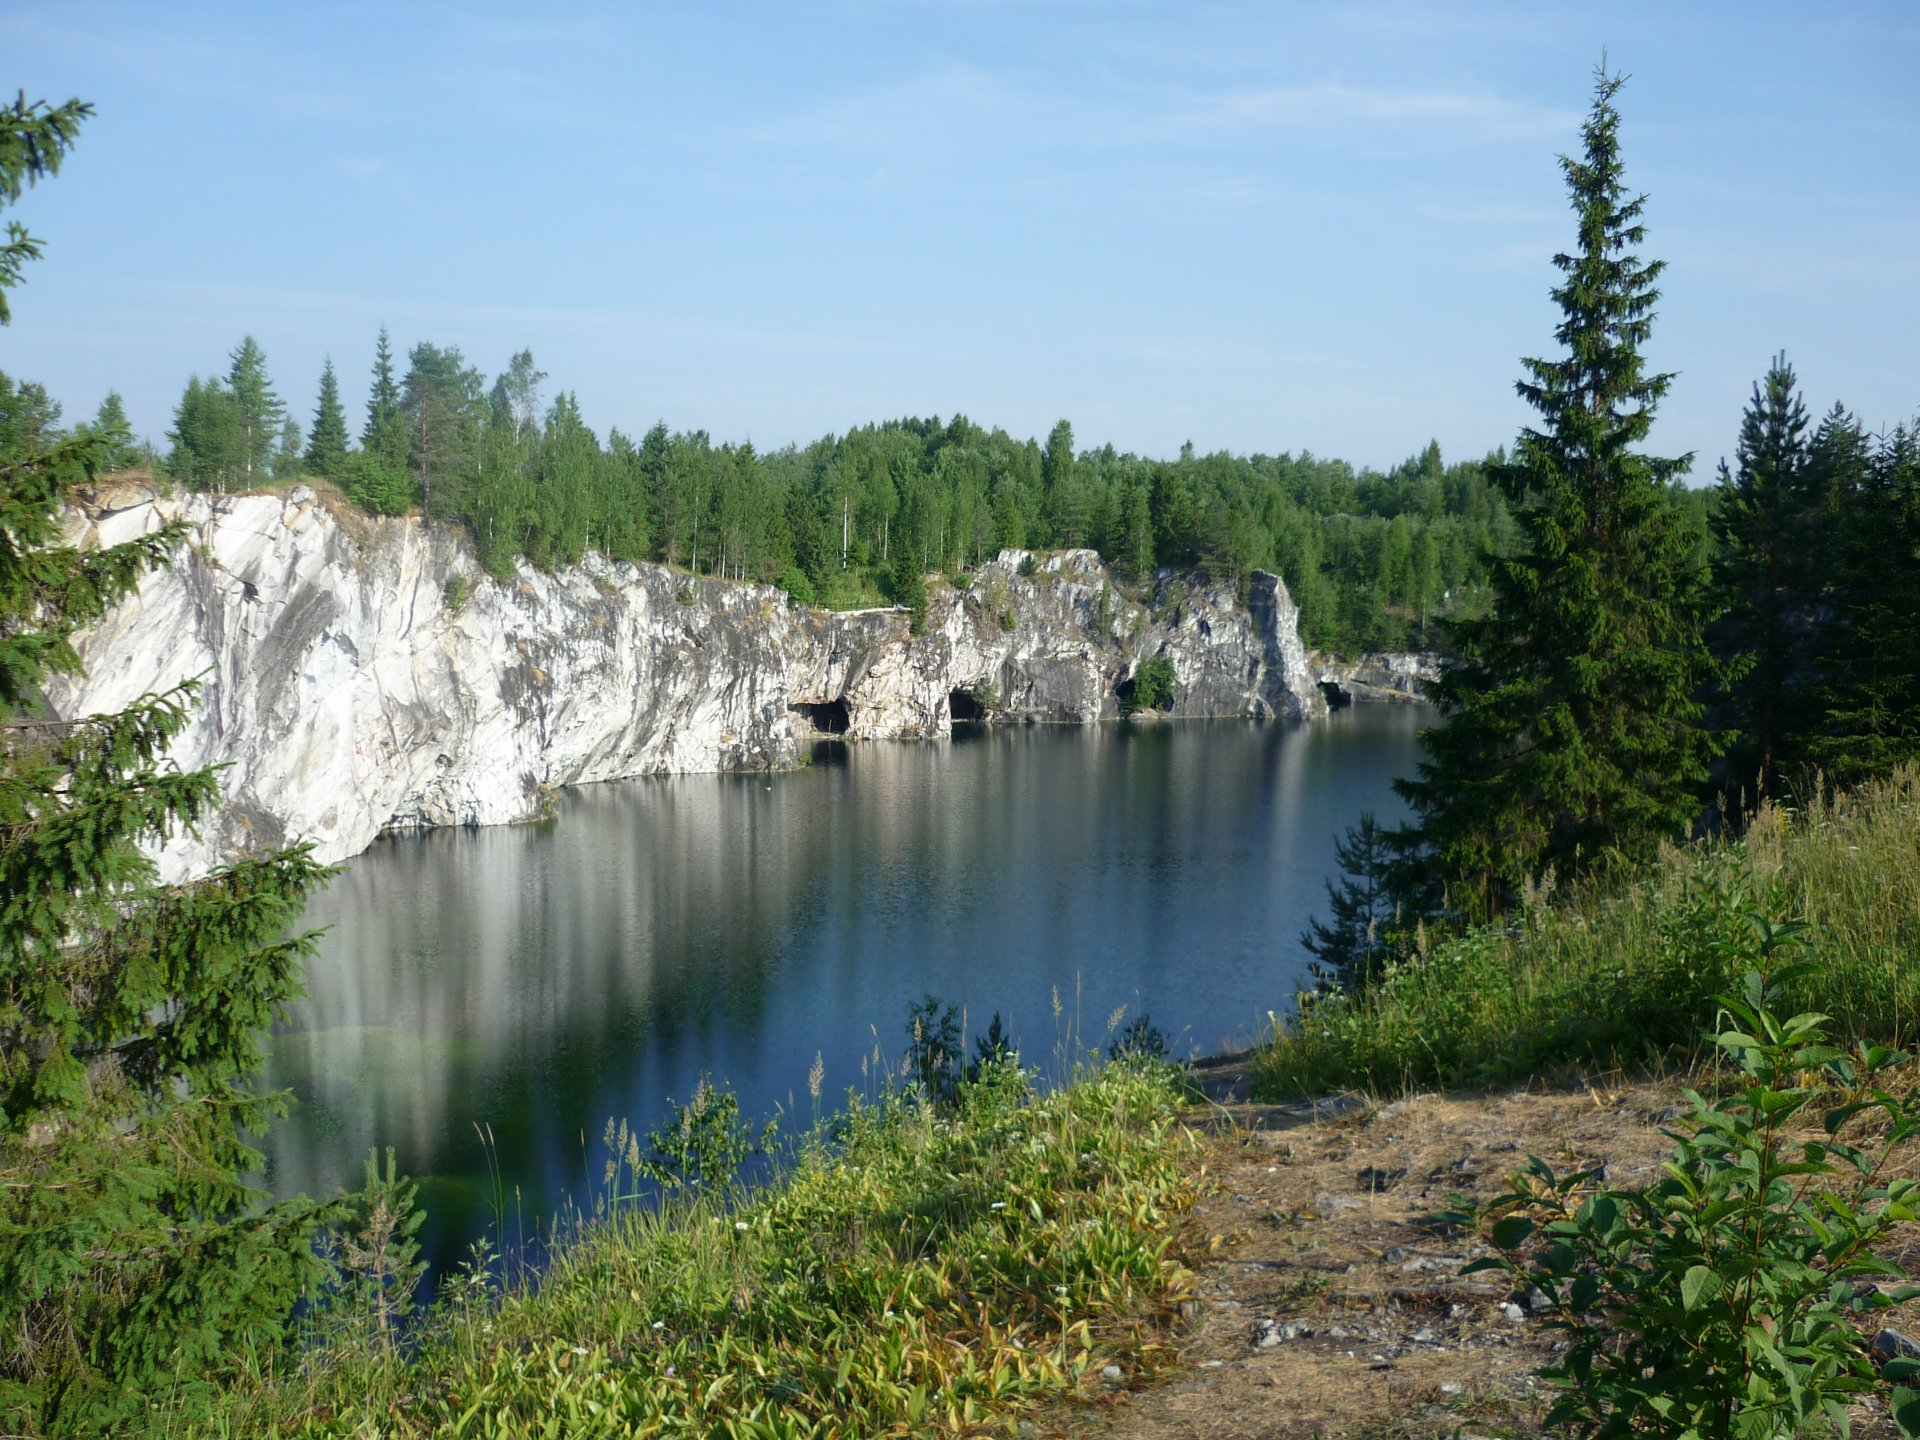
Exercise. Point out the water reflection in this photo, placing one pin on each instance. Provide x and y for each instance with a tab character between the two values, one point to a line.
535	981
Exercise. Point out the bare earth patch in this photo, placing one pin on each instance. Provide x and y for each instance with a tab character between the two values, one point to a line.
1329	1301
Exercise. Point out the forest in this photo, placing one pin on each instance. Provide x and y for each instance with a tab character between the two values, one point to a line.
855	518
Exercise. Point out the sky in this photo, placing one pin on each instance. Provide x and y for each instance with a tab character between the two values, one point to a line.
1260	227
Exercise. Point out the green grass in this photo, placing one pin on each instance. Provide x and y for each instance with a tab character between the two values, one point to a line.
1625	974
911	1271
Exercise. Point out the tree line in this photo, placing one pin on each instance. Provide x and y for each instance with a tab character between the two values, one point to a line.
1373	559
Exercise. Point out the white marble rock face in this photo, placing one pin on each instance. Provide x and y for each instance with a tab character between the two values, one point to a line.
345	695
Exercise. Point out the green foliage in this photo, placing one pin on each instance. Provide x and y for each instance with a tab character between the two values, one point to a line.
1572	718
1141	1040
134	1258
1350	946
34	138
1153	686
377	484
913	1272
935	1058
327	444
908	586
459	588
257	413
1717	1302
703	1144
1623	969
373	1257
1870	645
115	435
798	585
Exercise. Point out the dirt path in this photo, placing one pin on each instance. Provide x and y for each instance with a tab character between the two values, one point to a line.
1329	1301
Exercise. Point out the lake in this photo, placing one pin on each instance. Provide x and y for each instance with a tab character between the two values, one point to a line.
526	984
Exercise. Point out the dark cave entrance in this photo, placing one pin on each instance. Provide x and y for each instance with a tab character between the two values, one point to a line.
825	717
1337	699
965	705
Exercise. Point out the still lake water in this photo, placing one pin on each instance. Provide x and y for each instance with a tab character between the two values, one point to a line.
539	980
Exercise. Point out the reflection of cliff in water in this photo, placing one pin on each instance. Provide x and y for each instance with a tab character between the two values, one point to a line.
539	980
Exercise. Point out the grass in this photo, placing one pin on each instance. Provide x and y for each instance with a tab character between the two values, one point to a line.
912	1271
1626	974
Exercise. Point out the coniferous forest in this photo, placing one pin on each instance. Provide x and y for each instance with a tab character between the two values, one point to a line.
1373	559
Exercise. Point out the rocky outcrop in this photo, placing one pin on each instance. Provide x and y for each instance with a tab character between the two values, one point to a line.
361	674
1368	679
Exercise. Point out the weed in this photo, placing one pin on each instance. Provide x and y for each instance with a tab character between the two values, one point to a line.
1716	1303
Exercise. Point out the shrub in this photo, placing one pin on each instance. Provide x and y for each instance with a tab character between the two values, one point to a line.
459	589
799	588
1716	1302
1153	686
703	1144
1141	1040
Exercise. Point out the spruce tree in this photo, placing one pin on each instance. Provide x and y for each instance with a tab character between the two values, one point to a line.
1571	719
134	1258
327	443
110	426
1871	700
1350	946
257	408
1767	520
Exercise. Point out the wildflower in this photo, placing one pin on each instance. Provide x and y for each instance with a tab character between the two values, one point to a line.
998	1205
659	1324
740	1225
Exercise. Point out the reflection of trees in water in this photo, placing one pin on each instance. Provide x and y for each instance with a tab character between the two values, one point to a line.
541	980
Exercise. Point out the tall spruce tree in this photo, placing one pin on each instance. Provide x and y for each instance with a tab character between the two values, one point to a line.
1572	723
327	444
1872	639
134	1258
257	408
1768	520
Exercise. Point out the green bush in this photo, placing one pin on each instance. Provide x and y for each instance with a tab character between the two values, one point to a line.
377	485
799	588
1717	1302
1153	685
459	589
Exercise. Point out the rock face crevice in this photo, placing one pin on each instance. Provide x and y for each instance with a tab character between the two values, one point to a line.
360	674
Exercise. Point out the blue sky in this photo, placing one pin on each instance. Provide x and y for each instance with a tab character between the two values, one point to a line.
1258	227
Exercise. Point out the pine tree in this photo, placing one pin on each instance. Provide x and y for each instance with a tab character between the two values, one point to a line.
1571	722
327	444
133	1255
257	408
1767	519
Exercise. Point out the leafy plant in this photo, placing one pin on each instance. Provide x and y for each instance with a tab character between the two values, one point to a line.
704	1142
1716	1302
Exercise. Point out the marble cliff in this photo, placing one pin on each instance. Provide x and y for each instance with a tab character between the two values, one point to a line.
361	674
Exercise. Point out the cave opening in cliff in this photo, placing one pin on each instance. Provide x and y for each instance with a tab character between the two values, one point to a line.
1337	699
965	705
826	717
